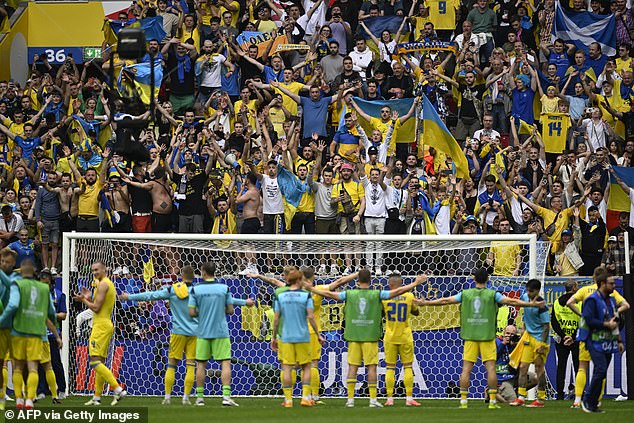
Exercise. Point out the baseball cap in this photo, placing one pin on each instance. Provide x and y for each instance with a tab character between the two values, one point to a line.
612	239
471	218
566	232
347	166
373	150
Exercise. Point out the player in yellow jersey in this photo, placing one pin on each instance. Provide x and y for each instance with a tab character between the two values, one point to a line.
315	345
600	273
101	302
399	341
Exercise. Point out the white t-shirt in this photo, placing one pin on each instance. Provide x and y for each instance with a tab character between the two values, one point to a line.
211	76
374	199
395	198
603	209
490	132
272	196
596	133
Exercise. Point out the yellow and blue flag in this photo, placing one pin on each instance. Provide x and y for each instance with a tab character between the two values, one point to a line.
148	264
436	134
139	75
152	28
105	206
406	133
619	200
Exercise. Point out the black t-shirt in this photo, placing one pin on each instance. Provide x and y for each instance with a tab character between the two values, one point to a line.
248	70
405	83
186	85
469	94
193	203
236	141
141	199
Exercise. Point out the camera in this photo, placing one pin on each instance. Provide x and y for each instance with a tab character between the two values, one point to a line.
515	338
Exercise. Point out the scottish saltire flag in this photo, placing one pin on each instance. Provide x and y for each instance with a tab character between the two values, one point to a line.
436	134
585	28
140	75
152	28
148	264
381	23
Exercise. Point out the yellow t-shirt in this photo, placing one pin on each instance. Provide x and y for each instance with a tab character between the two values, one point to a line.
307	202
549	105
104	315
277	118
354	189
397	311
89	201
289	103
317	301
626	65
267	26
234	15
252	109
194	35
505	257
561	223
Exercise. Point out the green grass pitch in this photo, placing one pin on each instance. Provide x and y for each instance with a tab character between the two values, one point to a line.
262	410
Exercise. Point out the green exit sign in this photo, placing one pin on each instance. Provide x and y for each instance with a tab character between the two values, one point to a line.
92	53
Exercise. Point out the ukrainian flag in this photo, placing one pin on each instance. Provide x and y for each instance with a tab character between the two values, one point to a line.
139	75
619	200
406	133
79	130
436	134
148	264
152	28
105	206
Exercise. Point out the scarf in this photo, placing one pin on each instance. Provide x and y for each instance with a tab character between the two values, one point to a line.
184	65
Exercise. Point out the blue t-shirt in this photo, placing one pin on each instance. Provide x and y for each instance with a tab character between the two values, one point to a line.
292	306
502	367
5	289
597	65
27	145
315	115
59	303
211	298
182	322
577	105
25	251
271	75
562	61
535	319
522	107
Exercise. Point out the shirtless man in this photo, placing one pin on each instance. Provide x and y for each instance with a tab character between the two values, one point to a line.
119	200
162	204
249	197
65	194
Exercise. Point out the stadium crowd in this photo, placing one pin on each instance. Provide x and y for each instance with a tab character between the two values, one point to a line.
245	139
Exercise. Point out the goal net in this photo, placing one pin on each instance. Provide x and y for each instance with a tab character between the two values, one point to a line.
141	262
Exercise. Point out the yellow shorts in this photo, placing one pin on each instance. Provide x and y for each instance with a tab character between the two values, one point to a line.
25	348
46	352
5	342
484	349
584	354
180	344
393	351
280	350
296	353
315	347
529	353
363	352
100	340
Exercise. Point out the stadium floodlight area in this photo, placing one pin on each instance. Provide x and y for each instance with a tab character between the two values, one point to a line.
140	262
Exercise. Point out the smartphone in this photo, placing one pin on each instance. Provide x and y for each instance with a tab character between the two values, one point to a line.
530	57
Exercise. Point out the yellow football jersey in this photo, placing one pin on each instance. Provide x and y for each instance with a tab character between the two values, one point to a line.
317	300
397	313
555	131
442	13
105	312
586	291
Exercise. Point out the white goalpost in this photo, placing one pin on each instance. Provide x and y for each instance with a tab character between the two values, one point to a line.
142	262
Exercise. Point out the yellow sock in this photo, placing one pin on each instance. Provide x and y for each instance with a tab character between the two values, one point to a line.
408	381
190	377
51	381
282	377
98	385
602	391
106	375
389	381
18	383
315	383
463	394
288	393
351	383
521	392
5	378
170	375
493	395
372	389
306	391
31	384
293	377
580	382
541	395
